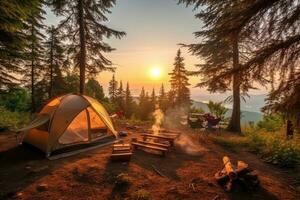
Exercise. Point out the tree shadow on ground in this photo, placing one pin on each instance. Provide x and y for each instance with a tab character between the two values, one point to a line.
168	165
258	193
116	175
23	165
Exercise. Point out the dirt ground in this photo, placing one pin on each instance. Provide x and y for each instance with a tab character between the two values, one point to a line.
91	175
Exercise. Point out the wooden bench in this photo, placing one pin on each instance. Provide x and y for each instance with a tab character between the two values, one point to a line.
121	152
121	145
121	148
155	144
169	139
121	156
161	150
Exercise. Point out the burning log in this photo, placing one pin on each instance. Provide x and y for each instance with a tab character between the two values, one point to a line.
230	177
230	171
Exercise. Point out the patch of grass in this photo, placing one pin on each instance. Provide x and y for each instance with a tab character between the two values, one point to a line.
122	180
275	149
141	194
12	120
271	146
232	143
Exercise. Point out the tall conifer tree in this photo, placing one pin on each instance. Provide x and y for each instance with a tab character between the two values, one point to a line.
179	82
112	89
35	51
128	102
121	97
162	98
56	62
84	29
13	41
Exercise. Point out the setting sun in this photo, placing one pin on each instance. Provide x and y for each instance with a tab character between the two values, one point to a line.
155	72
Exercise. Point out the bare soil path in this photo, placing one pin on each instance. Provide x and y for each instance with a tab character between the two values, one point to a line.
90	175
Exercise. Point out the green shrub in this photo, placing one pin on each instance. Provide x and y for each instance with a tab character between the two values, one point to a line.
275	149
271	123
13	120
141	194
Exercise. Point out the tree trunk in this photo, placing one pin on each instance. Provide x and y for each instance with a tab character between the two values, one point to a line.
235	121
33	108
51	65
82	55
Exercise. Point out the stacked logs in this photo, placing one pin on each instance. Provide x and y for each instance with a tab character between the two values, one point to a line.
231	177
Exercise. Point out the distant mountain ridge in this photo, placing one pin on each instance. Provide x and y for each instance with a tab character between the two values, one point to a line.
247	116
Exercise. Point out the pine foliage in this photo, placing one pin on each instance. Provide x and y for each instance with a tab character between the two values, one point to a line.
180	92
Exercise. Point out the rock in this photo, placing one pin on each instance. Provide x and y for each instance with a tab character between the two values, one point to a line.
39	169
19	194
298	188
42	187
28	167
173	190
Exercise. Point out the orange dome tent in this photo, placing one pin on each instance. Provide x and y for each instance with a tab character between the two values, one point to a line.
66	121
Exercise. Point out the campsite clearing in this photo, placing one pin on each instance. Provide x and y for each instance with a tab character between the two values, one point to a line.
91	175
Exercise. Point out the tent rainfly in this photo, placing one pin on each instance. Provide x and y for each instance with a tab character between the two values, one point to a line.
66	121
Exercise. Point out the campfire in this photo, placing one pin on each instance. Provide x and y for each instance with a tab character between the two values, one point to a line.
231	177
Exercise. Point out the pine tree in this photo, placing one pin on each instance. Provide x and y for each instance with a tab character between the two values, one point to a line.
84	29
153	100
13	41
94	89
263	37
112	89
179	83
143	99
128	102
222	38
162	99
56	62
35	51
120	100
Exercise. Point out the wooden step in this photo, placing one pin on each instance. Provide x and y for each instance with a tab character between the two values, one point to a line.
154	144
161	137
121	148
150	147
121	157
122	145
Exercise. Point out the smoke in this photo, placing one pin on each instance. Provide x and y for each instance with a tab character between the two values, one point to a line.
189	146
158	120
175	116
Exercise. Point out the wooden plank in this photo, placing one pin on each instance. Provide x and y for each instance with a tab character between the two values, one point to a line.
159	136
154	144
149	146
121	148
122	145
120	156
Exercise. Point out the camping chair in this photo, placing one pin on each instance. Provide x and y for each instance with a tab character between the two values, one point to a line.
213	124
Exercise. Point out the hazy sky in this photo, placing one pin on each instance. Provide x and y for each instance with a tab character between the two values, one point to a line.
154	28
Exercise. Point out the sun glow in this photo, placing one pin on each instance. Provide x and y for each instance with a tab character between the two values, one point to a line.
155	72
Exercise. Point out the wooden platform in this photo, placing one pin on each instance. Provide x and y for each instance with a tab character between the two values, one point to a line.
121	152
162	151
155	144
161	137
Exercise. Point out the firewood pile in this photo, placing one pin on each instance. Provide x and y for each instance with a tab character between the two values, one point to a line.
241	176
